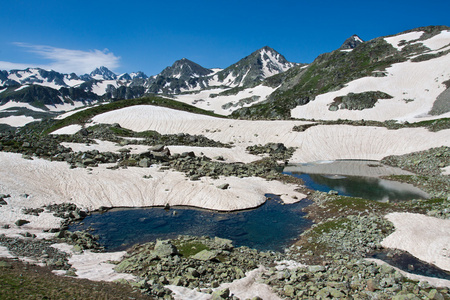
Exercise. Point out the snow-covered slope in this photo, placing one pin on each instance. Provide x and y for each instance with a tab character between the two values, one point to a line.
223	104
414	84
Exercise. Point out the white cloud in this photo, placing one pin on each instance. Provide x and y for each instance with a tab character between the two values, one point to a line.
66	60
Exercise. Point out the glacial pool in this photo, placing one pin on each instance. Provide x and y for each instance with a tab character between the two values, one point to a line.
271	226
355	178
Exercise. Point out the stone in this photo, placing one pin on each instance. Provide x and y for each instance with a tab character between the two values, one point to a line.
178	281
3	202
434	294
372	285
315	269
225	244
221	294
223	186
330	292
156	148
205	255
21	222
289	290
193	272
164	248
406	297
144	163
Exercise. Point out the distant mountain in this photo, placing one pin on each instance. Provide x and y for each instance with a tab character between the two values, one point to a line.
352	42
42	96
187	76
185	69
254	68
183	75
357	76
103	73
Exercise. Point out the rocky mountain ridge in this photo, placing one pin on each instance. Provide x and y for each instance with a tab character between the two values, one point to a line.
265	85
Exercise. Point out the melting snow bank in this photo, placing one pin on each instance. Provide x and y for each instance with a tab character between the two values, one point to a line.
322	142
48	182
426	238
245	288
93	266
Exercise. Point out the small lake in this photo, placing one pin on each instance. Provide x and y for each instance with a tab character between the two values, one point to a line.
355	179
272	226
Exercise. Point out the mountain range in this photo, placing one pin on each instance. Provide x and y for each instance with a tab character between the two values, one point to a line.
357	76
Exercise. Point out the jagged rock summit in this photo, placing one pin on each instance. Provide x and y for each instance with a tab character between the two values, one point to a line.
184	69
352	42
259	65
103	73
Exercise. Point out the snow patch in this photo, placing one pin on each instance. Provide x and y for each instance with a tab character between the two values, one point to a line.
407	37
413	85
12	104
17	121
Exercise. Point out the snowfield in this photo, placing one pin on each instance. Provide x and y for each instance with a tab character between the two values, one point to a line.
414	87
204	100
316	143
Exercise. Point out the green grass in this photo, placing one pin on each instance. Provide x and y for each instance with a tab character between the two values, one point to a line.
23	281
188	249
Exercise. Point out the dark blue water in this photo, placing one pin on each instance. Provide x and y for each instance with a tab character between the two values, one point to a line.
371	188
272	226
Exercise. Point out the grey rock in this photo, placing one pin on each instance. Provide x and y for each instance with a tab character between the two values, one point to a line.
221	294
144	163
315	269
225	244
164	248
205	255
223	186
434	294
156	148
21	222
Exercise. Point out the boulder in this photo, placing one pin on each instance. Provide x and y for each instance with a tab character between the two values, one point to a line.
223	186
156	148
21	222
164	248
224	244
205	255
221	294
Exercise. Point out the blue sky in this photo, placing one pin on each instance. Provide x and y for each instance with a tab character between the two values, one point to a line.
128	36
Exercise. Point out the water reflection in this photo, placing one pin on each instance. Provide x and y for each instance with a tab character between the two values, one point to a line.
372	188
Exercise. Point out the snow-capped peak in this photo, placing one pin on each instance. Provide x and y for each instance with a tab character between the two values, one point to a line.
103	73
